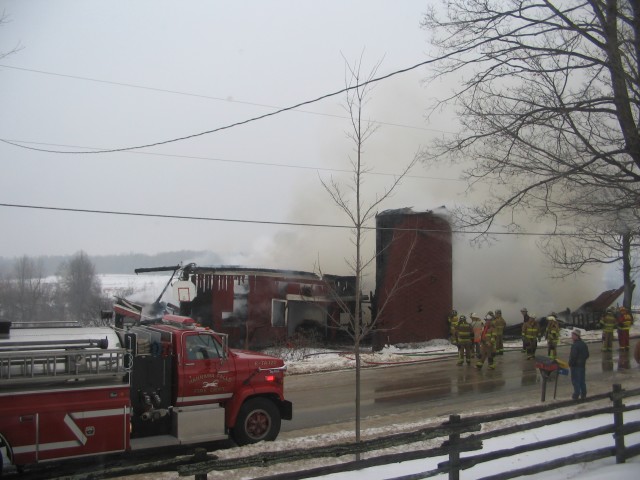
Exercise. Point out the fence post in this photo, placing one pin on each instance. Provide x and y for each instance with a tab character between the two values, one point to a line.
454	452
618	423
200	455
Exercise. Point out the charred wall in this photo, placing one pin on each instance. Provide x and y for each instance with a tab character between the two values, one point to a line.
239	302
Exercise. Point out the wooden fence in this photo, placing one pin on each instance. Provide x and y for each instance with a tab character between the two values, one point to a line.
455	443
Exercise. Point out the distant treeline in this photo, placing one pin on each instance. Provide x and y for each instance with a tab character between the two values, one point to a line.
123	263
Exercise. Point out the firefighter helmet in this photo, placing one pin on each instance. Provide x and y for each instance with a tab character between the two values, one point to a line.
454	312
462	318
498	311
523	310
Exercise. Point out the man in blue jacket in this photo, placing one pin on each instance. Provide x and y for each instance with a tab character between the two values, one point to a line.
577	362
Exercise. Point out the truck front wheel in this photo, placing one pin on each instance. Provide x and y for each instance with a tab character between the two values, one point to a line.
258	420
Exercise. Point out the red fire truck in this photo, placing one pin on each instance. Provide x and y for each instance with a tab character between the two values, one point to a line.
69	392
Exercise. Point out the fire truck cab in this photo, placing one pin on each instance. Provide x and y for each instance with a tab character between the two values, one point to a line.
72	391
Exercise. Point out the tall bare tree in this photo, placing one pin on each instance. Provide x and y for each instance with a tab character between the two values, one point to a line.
80	289
350	199
549	106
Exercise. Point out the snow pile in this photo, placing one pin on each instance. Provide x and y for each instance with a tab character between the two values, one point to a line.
308	360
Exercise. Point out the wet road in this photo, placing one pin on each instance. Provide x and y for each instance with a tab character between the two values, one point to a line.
441	388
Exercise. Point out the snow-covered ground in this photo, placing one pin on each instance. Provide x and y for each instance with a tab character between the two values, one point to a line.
586	471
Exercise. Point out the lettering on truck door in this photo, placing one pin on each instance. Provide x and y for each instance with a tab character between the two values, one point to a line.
206	376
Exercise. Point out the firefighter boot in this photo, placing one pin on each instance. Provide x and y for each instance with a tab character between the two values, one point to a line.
492	362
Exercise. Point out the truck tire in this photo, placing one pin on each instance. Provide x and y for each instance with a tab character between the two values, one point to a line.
258	420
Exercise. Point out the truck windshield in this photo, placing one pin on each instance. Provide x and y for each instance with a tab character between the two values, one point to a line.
203	347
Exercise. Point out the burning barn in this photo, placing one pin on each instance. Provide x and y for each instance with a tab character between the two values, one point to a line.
256	307
259	307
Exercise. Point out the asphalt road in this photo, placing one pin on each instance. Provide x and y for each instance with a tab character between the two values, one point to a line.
325	401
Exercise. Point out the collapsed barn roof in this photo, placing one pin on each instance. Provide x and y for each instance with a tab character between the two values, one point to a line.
604	300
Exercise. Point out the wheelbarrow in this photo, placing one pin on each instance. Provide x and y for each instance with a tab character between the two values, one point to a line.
550	368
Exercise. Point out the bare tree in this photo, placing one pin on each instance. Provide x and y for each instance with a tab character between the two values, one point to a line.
24	294
571	253
611	240
4	18
548	105
350	199
80	289
33	293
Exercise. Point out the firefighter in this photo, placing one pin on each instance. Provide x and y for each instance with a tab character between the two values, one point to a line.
489	318
625	320
476	325
552	334
487	345
608	322
525	318
499	323
531	336
463	340
452	319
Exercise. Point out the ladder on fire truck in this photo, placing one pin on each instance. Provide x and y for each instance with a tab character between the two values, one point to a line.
23	364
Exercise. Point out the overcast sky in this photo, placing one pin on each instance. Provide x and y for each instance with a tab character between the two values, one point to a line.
93	74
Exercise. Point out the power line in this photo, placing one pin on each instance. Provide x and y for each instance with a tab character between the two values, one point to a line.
248	162
232	125
267	222
177	217
209	97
